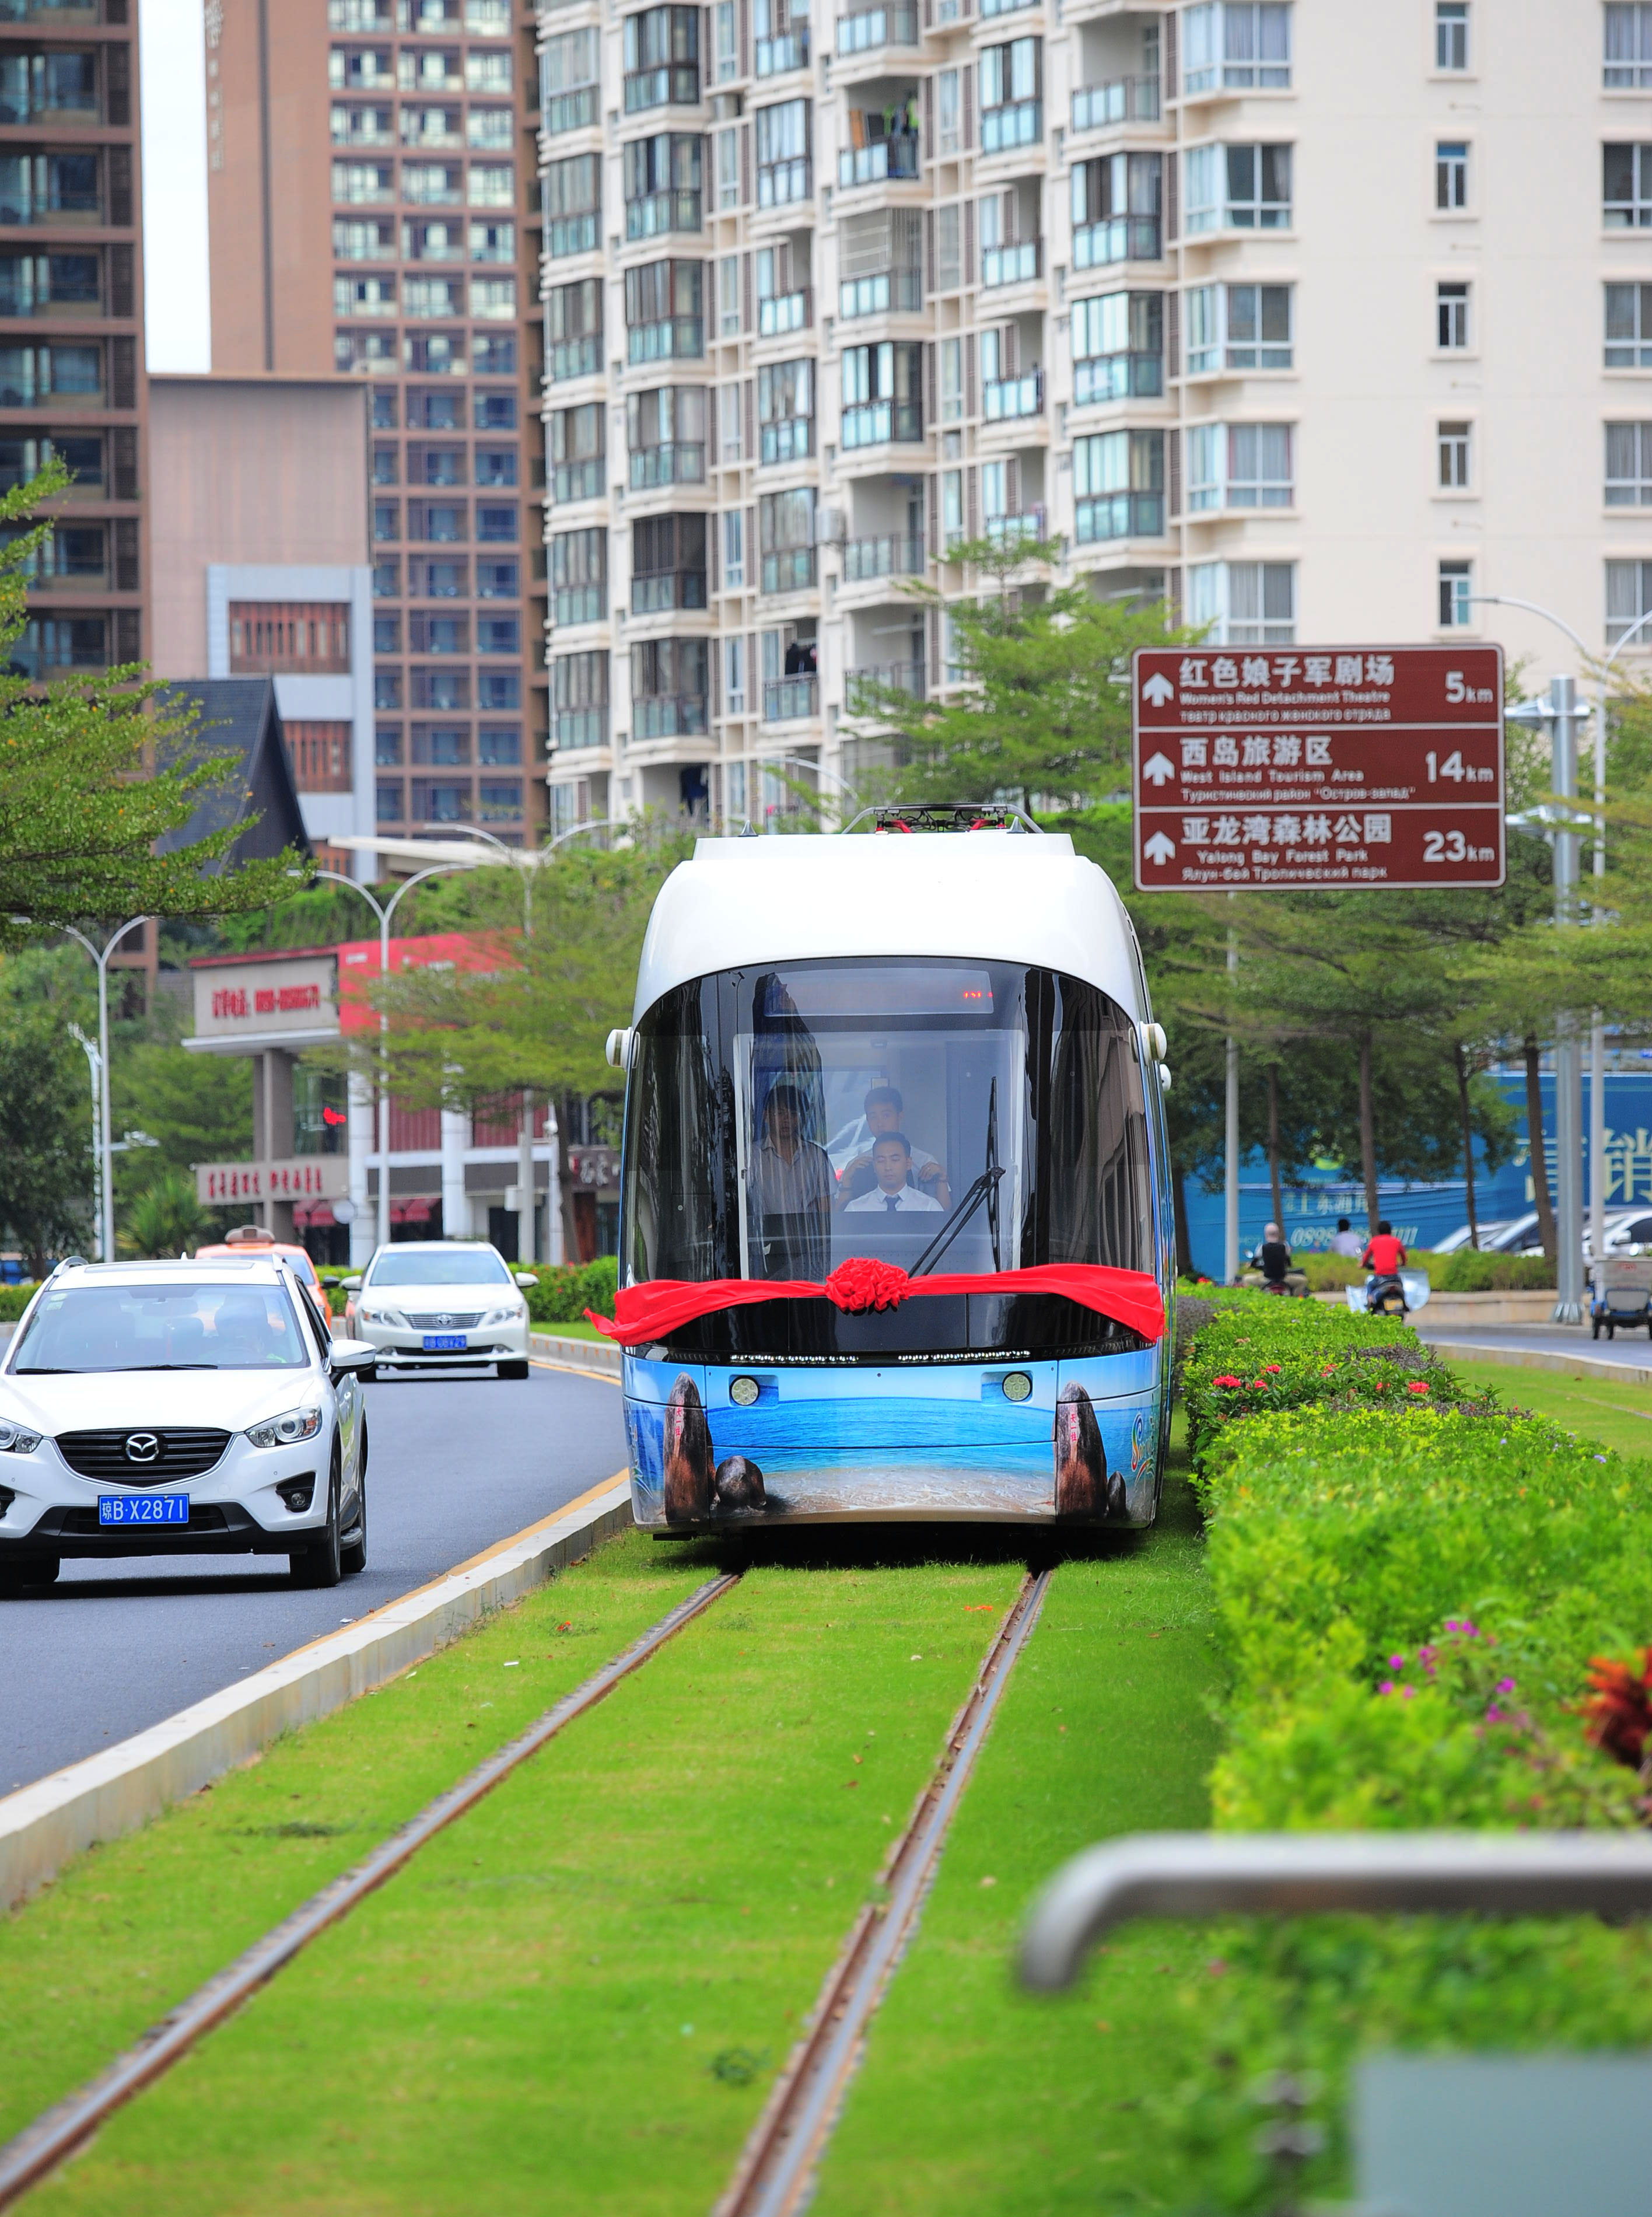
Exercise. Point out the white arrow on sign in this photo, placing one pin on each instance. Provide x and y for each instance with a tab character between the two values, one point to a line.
1160	770
1157	690
1158	849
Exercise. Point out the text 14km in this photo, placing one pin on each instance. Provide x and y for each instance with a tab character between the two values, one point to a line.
1459	771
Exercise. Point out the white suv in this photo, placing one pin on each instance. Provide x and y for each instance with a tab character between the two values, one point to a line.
181	1409
441	1305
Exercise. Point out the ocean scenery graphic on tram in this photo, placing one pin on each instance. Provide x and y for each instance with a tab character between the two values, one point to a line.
892	1246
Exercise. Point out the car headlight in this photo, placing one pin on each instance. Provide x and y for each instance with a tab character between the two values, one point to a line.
384	1316
13	1440
504	1316
286	1431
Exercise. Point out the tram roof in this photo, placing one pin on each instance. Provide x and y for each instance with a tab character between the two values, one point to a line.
1003	896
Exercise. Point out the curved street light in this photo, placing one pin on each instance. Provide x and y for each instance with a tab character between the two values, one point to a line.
101	1134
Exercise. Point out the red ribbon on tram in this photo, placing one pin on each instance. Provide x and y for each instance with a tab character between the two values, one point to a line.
651	1311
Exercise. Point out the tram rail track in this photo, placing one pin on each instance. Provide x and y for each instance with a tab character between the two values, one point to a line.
34	2153
776	2172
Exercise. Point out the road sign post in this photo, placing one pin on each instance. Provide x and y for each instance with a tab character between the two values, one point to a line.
1333	768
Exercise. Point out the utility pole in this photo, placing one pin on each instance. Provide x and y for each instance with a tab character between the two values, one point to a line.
1230	1169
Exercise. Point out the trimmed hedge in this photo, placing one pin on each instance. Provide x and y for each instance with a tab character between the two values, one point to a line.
14	1299
566	1290
1408	1589
1465	1271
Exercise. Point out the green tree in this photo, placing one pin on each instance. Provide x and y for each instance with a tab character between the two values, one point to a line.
166	1218
46	1170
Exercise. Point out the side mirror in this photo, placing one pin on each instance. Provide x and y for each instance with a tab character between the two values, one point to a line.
350	1285
526	1281
356	1357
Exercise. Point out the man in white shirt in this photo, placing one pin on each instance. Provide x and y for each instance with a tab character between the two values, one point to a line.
883	1107
1348	1240
891	1158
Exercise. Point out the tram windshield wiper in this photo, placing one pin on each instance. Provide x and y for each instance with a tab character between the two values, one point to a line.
985	1187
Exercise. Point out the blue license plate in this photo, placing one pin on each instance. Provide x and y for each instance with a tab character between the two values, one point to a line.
443	1342
143	1508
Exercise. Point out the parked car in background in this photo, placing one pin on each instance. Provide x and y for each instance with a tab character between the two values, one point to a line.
1514	1236
253	1239
441	1305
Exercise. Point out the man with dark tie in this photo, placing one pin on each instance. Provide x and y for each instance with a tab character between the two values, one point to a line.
891	1158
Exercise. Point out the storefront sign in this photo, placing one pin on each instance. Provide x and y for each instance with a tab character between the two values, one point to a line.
254	997
306	1177
595	1167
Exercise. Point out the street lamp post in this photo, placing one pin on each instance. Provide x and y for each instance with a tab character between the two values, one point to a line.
105	1156
94	1066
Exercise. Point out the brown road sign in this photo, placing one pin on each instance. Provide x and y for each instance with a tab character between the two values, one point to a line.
1317	766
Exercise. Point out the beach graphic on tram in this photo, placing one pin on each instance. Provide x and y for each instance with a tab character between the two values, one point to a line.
895	1208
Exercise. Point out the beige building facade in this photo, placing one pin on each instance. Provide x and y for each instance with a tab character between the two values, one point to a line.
1320	322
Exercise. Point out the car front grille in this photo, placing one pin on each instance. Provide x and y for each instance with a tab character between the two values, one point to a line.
82	1524
446	1321
183	1452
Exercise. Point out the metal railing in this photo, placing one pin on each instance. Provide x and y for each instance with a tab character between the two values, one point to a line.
1009	265
782	313
899	555
788	699
1205	1875
675	84
1004	398
885	158
862	687
677	461
775	56
895	24
791	570
668	716
678	209
1119	516
1117	238
1121	100
1018	123
876	423
1116	376
899	290
657	592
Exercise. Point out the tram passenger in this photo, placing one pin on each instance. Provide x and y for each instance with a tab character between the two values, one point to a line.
883	1107
891	1159
792	1188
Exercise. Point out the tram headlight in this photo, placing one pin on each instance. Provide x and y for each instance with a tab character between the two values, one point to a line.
742	1392
1018	1386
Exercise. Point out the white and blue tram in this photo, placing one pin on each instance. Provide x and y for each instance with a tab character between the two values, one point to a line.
896	1237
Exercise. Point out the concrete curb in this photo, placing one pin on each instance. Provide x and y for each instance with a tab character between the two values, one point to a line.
600	1356
43	1826
1544	1358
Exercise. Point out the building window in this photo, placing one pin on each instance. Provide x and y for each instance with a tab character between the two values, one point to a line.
387	745
579	576
435	802
1119	485
1629	46
883	394
496	523
662	56
387	634
785	533
386	580
1628	327
734	549
1452	34
289	636
947	107
498	581
434	354
365	353
662	183
1629	466
501	800
734	677
1627	187
952	380
1452	444
494	411
1116	209
727	169
496	466
387	801
1450	174
1629	597
500	744
579	694
1241	45
1452	318
1011	85
492	130
1238	188
320	755
569	83
783	150
491	184
665	311
573	330
1239	465
386	689
1240	327
1118	347
427	184
952	509
786	410
669	691
665	432
1455	595
1243	603
578	464
668	564
573	205
728	295
361	184
498	635
728	44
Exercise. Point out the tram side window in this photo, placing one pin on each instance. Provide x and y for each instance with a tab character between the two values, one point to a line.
1099	1189
675	1175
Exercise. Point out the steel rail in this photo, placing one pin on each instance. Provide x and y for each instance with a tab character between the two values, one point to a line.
776	2169
40	2146
1199	1874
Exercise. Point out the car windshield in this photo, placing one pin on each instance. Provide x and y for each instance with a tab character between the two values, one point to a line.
438	1266
161	1327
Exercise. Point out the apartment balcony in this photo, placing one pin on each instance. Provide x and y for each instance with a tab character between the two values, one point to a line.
581	357
571	111
656	214
863	687
1123	100
782	184
1009	265
886	160
793	570
663	592
678	461
675	84
895	556
1005	7
679	338
1019	123
586	480
774	57
668	716
1117	238
1004	399
1099	378
895	24
1119	516
883	293
1026	530
784	312
791	699
573	729
579	604
790	440
572	234
881	424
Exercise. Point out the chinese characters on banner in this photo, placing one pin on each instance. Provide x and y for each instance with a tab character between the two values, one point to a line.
321	1180
264	1000
1339	767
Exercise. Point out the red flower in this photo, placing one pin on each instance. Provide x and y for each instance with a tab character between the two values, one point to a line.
863	1283
1381	1387
1274	1366
1227	1378
1619	1712
1417	1386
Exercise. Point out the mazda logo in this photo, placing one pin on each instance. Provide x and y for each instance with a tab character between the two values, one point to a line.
142	1447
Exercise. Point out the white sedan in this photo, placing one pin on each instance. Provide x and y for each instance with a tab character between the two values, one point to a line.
441	1305
181	1409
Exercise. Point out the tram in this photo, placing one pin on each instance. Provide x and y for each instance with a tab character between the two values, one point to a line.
896	1234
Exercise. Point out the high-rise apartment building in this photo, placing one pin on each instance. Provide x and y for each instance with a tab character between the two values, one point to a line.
1321	321
371	179
72	320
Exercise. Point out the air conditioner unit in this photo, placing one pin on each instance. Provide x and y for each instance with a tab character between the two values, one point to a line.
831	526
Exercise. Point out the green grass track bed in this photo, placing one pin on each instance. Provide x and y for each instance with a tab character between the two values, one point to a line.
578	1997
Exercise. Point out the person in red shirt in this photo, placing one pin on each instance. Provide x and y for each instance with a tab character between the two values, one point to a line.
1384	1255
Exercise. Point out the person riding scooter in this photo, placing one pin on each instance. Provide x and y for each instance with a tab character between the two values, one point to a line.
1384	1257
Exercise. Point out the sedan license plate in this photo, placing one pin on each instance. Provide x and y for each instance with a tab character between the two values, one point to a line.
143	1508
443	1342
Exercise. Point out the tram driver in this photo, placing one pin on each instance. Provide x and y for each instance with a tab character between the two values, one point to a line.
882	1109
892	1160
792	1188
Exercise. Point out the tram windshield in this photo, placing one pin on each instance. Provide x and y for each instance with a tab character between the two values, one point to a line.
956	1116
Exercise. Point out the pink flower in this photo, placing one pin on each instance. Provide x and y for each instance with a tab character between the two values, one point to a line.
1274	1366
1407	1693
1387	1686
1227	1378
1417	1386
1397	1662
1505	1685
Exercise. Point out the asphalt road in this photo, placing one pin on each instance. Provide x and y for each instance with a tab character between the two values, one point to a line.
1630	1348
456	1465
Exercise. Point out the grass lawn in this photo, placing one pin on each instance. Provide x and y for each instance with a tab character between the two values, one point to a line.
131	1928
1618	1415
577	1998
974	2097
580	1331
